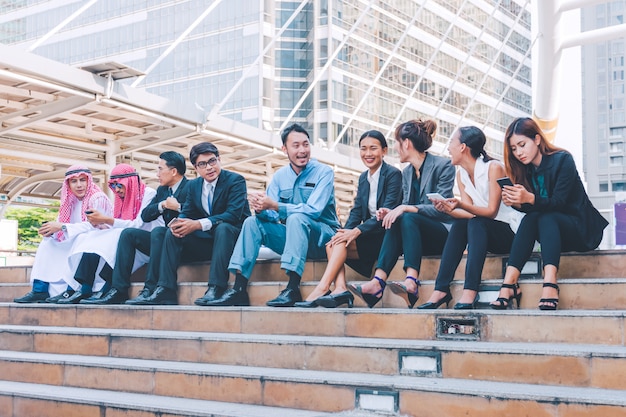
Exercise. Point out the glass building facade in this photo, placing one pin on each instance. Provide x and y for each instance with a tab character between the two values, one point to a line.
338	67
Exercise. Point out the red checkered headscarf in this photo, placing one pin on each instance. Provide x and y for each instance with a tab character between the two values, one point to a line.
129	207
68	199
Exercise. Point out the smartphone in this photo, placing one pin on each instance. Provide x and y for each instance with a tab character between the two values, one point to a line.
435	196
88	211
172	222
504	181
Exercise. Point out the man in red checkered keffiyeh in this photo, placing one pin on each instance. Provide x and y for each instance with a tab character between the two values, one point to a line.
49	273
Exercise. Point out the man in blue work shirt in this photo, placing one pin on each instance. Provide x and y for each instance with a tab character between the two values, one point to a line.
296	217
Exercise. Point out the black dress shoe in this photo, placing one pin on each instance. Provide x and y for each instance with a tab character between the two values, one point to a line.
143	295
336	300
161	296
65	294
113	296
231	298
32	297
212	293
287	298
74	298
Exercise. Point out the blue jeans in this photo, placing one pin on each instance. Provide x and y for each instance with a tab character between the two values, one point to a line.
298	239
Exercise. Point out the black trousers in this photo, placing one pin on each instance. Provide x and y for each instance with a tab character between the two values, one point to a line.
480	235
556	232
148	243
217	248
415	236
86	271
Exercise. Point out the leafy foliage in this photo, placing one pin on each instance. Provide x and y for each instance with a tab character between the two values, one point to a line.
29	221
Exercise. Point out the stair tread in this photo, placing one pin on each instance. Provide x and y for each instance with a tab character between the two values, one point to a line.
500	390
164	404
563	349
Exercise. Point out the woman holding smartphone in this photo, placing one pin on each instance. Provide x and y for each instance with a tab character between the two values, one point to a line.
358	243
415	227
559	214
482	222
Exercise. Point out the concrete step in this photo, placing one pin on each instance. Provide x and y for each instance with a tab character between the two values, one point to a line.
604	264
304	389
580	293
19	399
534	363
562	326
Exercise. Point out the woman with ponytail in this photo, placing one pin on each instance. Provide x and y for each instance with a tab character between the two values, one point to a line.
482	222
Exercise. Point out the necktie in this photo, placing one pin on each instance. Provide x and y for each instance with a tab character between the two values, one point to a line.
210	198
169	192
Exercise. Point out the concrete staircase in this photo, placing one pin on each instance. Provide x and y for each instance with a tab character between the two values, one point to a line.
257	361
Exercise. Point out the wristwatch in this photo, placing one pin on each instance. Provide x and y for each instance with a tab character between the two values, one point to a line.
63	228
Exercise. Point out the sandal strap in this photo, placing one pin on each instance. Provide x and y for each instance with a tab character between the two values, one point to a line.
504	302
382	283
417	281
551	285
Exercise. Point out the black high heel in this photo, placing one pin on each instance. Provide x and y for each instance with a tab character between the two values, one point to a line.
467	306
370	299
433	306
553	302
336	300
506	303
410	297
310	304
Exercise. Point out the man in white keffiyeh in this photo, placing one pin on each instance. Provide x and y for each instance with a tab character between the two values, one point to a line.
78	195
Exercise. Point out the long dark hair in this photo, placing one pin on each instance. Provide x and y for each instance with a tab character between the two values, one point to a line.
419	132
475	140
524	126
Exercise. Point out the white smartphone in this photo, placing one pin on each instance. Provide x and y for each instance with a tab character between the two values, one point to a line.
174	220
435	196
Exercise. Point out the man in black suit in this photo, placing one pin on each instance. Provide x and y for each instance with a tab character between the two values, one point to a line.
207	227
167	202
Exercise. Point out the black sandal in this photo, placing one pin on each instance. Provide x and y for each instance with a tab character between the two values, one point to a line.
550	303
506	303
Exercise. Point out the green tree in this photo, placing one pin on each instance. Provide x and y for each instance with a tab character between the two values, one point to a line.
29	220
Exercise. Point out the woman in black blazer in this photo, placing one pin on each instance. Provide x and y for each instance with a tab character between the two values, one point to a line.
559	214
358	243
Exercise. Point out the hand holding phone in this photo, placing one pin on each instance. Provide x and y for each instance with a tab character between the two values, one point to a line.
505	181
435	196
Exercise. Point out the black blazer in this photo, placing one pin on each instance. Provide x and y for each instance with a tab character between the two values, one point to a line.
151	211
388	195
566	194
230	202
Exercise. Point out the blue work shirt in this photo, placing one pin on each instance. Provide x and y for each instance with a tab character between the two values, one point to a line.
312	192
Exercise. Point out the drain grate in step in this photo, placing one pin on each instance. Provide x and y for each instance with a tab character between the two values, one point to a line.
375	400
420	363
467	328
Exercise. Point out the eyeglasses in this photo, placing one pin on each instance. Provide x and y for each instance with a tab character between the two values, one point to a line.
203	164
115	186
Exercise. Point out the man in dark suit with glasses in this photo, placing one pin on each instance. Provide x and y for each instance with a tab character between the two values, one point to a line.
206	229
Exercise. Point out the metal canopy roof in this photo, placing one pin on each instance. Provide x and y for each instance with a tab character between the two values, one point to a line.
53	116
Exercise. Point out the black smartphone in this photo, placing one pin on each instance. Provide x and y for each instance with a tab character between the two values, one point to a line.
88	211
504	181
